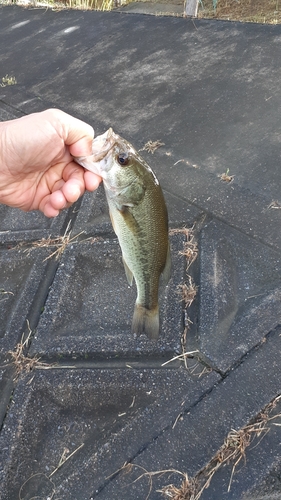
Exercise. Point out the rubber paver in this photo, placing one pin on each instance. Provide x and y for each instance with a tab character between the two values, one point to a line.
192	442
102	410
99	398
86	322
21	277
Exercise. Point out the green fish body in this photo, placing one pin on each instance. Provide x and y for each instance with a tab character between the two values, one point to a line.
139	217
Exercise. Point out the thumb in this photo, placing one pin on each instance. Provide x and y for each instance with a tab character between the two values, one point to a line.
82	147
76	134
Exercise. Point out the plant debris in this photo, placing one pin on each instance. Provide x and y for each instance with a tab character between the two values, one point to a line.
59	243
26	487
232	452
190	249
21	361
256	11
187	292
4	295
65	457
8	80
186	491
275	205
180	357
127	468
226	177
151	146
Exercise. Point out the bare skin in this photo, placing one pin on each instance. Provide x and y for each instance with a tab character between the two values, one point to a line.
37	171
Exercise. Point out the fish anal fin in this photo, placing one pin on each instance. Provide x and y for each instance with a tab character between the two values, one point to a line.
129	274
146	321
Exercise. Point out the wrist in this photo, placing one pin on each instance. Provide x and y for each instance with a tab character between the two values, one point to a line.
6	163
3	145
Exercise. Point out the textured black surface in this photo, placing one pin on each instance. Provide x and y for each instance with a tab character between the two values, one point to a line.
19	226
112	413
21	278
210	91
240	293
90	306
192	442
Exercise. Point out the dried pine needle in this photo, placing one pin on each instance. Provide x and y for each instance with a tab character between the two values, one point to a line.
21	361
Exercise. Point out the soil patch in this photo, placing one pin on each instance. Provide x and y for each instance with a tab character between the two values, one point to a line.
257	11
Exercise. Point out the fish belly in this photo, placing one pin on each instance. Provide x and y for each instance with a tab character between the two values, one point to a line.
143	237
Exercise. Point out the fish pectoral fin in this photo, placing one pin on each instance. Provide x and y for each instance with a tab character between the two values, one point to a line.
129	219
129	274
166	274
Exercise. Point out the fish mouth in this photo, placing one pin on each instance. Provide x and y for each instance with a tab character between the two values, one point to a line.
101	146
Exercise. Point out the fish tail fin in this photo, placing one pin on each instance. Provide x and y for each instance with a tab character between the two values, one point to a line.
146	321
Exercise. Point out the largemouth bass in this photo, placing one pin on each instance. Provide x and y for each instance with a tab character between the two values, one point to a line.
139	217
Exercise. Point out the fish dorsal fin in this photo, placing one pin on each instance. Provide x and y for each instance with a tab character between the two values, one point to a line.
129	274
166	274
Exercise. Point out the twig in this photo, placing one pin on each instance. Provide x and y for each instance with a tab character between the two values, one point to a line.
180	356
64	459
31	477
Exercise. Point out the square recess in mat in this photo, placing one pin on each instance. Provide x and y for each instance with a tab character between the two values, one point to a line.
90	306
96	419
20	278
16	225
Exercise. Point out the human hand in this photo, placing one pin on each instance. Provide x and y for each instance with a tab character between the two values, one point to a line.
37	171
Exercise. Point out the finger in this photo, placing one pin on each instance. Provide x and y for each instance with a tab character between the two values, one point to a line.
74	185
92	181
72	190
57	200
48	210
52	205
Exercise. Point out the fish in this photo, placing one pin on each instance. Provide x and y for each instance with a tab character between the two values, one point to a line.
139	218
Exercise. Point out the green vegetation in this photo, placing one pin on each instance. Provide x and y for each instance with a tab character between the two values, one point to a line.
256	11
8	80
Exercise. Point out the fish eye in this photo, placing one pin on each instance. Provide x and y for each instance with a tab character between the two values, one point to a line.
123	159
